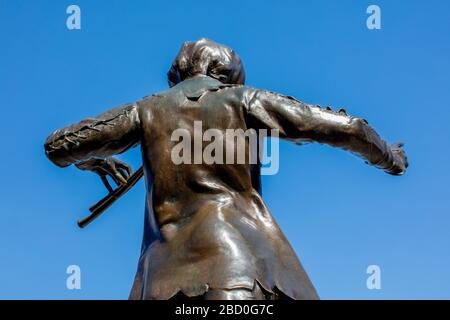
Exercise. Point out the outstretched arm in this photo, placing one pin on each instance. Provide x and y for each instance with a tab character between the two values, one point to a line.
301	122
91	143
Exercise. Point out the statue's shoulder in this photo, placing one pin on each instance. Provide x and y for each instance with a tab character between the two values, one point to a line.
147	102
193	89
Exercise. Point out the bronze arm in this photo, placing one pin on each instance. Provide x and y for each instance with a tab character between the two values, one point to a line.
110	133
300	122
91	143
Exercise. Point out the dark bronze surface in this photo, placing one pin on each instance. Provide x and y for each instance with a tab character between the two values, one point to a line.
207	230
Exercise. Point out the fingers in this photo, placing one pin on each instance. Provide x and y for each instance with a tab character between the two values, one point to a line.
401	158
111	170
397	173
397	170
120	177
106	183
106	171
114	165
124	167
117	176
123	172
118	170
406	162
399	145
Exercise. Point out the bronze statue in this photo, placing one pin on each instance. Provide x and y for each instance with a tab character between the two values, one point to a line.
208	233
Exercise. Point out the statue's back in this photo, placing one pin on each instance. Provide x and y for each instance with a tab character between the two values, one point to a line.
215	231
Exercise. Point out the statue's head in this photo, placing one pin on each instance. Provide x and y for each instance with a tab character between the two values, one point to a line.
206	57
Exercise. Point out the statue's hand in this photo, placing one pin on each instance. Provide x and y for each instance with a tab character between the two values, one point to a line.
118	170
400	160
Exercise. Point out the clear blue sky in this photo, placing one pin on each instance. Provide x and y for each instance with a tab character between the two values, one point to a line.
339	214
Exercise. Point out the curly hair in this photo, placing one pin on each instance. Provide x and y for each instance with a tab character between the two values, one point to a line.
209	58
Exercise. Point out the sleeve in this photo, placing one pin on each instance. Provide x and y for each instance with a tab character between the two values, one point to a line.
300	122
112	132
